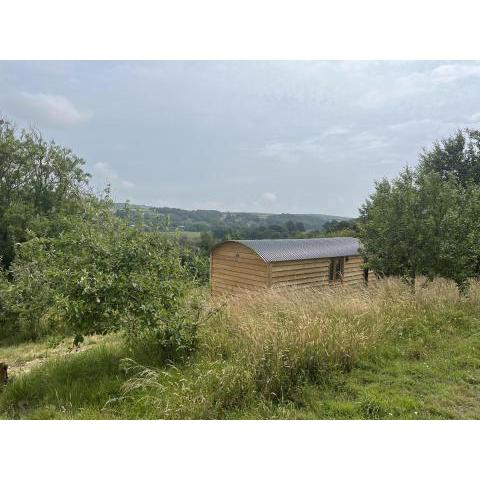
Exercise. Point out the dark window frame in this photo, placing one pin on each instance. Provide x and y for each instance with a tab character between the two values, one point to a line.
336	270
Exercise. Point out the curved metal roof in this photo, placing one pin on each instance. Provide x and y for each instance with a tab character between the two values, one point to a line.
302	248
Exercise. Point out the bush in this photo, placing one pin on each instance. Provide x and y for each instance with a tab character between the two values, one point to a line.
96	274
171	340
197	264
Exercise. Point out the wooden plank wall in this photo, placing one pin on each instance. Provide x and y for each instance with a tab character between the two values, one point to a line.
353	270
314	273
235	268
305	273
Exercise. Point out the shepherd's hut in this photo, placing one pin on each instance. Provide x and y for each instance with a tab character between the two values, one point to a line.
239	265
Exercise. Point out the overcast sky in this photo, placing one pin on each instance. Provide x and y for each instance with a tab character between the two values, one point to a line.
298	137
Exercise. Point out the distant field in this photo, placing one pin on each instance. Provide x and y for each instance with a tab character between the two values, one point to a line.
189	235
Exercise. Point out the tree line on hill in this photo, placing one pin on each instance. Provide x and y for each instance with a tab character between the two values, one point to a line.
224	224
344	228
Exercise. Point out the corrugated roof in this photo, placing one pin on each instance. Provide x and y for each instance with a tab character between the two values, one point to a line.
302	248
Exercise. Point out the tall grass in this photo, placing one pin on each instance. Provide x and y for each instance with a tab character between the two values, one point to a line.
257	355
265	346
70	384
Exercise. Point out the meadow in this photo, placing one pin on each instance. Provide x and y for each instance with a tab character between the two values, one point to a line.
383	352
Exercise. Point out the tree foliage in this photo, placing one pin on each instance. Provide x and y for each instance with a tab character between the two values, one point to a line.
458	155
72	266
98	274
37	178
427	221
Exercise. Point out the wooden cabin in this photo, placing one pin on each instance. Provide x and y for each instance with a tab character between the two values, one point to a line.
239	265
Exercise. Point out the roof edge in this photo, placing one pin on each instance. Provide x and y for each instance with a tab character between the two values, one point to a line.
265	249
239	242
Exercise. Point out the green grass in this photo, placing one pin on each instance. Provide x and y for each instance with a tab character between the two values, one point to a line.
444	384
76	385
407	357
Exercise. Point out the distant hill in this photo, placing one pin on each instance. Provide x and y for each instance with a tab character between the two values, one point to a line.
211	220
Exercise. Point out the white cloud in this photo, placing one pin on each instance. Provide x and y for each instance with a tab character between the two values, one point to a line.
423	82
269	197
402	89
239	180
283	151
335	131
454	72
111	176
410	124
320	148
55	110
313	146
368	141
102	167
419	83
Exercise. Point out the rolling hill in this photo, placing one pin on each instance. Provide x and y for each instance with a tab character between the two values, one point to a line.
210	220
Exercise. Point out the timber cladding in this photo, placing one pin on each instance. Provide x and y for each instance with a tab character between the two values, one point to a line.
239	266
234	267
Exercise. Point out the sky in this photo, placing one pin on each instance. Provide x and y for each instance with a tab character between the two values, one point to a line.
279	136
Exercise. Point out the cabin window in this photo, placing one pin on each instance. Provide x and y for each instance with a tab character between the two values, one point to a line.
336	269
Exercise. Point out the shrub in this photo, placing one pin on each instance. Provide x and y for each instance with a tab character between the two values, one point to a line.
197	264
168	341
96	274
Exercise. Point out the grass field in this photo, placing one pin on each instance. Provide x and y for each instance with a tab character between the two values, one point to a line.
381	353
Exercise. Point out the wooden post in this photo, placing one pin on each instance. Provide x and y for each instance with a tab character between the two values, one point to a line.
210	272
3	373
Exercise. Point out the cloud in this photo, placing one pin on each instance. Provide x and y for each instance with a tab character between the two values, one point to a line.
55	110
335	131
103	167
368	141
313	146
425	83
402	89
410	124
283	151
112	177
127	184
455	72
269	197
240	180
